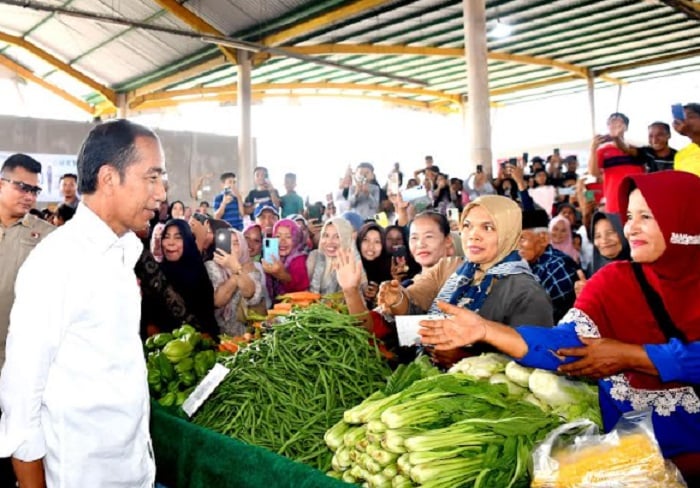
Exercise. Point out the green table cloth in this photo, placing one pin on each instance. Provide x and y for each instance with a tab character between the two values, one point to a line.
188	455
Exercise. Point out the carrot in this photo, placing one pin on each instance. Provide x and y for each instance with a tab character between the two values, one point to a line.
301	295
228	347
283	306
302	303
274	312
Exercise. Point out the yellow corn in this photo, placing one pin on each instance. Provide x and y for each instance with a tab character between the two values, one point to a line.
633	457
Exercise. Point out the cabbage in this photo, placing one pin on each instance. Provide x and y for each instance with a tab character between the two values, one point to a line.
481	367
520	375
570	399
513	389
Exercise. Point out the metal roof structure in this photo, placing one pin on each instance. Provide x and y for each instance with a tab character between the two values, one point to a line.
155	58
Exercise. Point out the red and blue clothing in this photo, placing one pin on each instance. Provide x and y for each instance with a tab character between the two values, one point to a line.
615	165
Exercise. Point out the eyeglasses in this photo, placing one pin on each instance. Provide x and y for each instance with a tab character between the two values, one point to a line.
24	187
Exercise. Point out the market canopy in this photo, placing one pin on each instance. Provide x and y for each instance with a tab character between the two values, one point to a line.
149	54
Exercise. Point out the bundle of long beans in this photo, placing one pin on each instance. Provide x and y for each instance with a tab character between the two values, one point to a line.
284	391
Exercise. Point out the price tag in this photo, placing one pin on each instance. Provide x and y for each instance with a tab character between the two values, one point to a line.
205	388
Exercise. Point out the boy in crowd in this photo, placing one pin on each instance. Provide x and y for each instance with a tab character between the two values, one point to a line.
264	192
228	205
291	202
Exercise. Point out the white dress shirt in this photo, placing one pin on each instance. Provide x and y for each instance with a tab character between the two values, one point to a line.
73	389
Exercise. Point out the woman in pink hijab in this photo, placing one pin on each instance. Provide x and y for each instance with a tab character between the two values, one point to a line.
562	237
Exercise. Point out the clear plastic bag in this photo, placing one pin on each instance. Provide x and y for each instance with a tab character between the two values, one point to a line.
576	455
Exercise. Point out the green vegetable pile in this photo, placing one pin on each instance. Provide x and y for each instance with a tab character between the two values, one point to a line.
176	362
284	391
446	430
569	399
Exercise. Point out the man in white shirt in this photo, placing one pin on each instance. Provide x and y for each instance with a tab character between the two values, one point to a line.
73	389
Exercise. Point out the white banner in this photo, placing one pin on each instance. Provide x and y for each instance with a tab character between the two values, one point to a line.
53	166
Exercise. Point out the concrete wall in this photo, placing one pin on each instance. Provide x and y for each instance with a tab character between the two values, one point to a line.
188	155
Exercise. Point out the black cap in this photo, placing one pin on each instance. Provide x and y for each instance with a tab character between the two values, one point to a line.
535	218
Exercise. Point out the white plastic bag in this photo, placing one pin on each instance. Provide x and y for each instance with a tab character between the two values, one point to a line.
576	455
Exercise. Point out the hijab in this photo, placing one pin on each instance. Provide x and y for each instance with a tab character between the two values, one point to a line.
247	228
297	240
599	260
243	253
470	285
567	247
613	299
678	268
379	269
229	310
507	216
323	278
189	277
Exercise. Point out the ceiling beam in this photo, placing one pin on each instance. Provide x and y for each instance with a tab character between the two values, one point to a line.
368	49
444	108
531	85
398	50
648	62
29	76
688	7
323	20
291	87
106	92
197	23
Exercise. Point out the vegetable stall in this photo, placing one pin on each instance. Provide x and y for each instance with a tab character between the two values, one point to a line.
309	401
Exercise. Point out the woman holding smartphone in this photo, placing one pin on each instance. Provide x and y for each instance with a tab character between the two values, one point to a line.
287	271
235	279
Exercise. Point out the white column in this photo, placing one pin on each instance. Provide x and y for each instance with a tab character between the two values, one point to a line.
478	106
591	100
245	139
122	106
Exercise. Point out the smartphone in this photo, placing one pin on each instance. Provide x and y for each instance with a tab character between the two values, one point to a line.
314	212
453	214
415	193
526	158
568	191
399	252
227	191
479	168
329	197
590	196
382	219
607	138
271	247
556	151
677	111
222	238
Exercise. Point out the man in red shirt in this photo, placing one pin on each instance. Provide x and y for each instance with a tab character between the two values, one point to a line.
610	161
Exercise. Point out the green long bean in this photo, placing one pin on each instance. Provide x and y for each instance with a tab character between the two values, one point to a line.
286	390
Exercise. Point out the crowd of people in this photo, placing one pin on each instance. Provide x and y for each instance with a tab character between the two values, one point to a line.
506	258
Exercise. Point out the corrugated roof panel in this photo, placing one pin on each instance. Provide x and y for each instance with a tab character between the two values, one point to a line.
69	84
76	35
17	21
137	53
230	16
27	59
